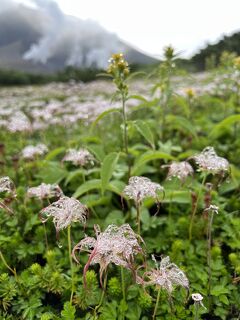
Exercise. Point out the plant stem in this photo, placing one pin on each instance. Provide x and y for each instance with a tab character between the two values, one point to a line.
46	237
102	296
138	219
209	234
157	303
71	262
125	135
195	208
123	284
7	266
196	307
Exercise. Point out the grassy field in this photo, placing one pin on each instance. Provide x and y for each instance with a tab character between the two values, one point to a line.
119	199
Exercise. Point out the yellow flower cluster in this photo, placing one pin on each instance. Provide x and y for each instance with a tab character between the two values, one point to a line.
118	66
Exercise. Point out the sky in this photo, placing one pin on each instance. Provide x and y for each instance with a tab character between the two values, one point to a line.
152	24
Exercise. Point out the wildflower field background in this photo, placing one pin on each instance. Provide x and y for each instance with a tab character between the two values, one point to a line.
119	199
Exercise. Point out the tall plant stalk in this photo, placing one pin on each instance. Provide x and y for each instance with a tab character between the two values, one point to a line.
196	207
156	305
70	261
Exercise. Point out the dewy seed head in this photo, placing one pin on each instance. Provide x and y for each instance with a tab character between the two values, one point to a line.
65	211
139	188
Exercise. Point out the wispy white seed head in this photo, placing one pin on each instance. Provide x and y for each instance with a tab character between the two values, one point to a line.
79	157
7	186
45	191
180	170
116	245
31	152
166	275
139	188
210	162
65	211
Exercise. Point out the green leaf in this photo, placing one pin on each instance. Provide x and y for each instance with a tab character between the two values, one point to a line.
68	313
51	172
107	168
150	156
51	155
87	186
181	123
102	115
98	151
221	127
144	129
219	290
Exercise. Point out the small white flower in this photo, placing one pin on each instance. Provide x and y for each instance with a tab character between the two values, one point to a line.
197	298
212	208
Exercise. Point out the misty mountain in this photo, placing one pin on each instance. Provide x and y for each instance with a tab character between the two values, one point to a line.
43	39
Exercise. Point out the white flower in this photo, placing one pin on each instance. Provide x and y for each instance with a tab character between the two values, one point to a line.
210	162
65	211
212	208
139	188
44	191
79	157
197	298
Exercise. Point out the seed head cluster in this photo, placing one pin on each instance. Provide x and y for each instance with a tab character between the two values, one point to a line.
210	162
79	157
31	152
65	211
45	191
166	275
180	170
116	245
7	186
139	188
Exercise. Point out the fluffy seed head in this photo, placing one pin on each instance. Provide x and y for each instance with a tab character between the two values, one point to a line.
45	191
166	275
65	211
116	245
210	162
197	298
79	157
180	170
139	188
31	152
7	187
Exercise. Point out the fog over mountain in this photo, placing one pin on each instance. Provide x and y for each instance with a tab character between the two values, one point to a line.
42	38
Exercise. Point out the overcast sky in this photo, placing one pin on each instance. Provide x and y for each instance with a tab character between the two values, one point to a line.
152	24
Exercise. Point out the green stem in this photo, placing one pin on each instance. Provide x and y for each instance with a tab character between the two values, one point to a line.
138	219
209	258
125	135
196	307
71	262
157	303
102	296
195	207
8	267
123	284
